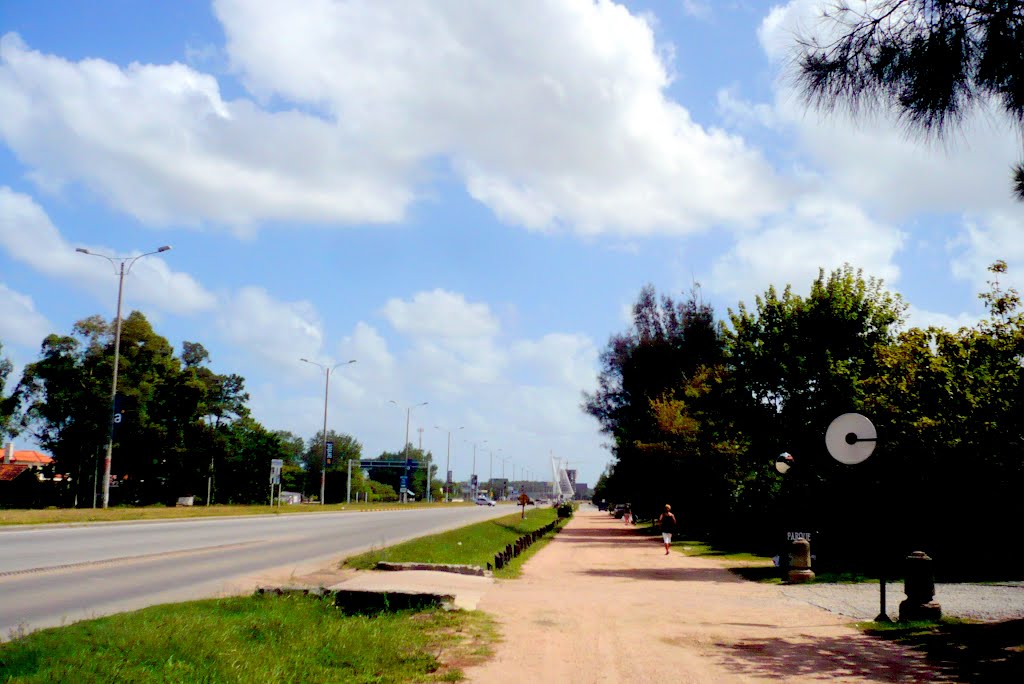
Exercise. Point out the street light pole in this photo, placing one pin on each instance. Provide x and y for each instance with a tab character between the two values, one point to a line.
405	447
448	462
122	272
327	388
472	475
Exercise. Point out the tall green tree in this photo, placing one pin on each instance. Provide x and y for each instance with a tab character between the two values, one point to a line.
243	474
795	364
346	447
669	345
947	405
173	411
928	60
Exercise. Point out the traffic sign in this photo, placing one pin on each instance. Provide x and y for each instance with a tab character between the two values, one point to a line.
330	453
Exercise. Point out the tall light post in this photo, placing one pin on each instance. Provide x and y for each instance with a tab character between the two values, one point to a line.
119	264
327	388
448	461
472	475
405	446
490	473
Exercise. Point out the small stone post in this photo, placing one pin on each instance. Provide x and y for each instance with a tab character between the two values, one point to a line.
800	562
919	586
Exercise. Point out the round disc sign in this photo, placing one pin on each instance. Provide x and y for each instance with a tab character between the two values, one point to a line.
851	438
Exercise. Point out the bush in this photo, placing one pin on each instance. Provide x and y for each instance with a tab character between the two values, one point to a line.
566	509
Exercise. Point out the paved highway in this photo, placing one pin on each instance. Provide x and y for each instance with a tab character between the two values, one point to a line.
52	575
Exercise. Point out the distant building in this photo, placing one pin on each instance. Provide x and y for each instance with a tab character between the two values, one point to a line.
581	490
36	460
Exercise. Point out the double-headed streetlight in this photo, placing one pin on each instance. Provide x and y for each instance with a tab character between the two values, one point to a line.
405	446
122	266
448	462
327	388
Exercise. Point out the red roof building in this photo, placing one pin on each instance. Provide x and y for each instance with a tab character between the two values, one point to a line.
9	471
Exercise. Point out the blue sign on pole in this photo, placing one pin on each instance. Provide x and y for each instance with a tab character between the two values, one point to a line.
403	482
330	453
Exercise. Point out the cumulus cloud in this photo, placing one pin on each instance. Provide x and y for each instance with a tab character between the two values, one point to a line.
573	129
819	231
986	238
441	314
28	235
560	358
281	332
22	324
159	142
553	113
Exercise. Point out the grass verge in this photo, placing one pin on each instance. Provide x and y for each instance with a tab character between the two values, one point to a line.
757	568
969	651
252	639
471	545
83	515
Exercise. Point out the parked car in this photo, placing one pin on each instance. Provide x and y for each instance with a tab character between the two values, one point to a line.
619	510
484	501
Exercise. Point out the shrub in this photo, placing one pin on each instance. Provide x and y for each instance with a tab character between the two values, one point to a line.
565	510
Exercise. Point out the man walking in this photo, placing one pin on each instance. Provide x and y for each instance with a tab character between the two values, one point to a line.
667	521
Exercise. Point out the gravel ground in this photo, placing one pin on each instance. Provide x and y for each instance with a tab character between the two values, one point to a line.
985	602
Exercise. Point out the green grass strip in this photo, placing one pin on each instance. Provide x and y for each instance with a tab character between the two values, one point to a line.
251	639
471	545
84	515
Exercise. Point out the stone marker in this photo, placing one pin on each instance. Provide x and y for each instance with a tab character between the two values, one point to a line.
919	586
800	562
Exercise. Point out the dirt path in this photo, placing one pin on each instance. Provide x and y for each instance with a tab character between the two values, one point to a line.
602	603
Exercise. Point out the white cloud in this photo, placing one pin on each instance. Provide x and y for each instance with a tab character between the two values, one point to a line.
986	238
159	142
21	323
700	9
282	332
574	132
561	359
818	232
441	314
919	318
28	235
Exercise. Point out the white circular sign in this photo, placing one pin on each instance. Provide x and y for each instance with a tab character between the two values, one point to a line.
851	438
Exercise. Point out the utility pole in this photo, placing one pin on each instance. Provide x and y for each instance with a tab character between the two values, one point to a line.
405	445
448	463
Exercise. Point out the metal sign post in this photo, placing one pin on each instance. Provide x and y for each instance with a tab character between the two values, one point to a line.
850	439
275	479
348	491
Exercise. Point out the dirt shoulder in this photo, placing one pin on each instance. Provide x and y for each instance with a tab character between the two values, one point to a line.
602	603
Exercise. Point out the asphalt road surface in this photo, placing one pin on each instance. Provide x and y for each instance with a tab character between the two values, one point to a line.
54	574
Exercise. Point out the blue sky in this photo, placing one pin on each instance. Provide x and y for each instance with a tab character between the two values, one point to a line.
465	197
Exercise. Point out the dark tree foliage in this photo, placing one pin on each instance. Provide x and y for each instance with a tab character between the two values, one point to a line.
175	436
417	482
668	346
929	60
8	403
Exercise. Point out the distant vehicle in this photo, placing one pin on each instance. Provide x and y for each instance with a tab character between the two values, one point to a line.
484	501
619	510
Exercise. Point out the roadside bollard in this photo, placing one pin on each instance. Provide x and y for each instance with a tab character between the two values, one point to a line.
919	586
800	562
